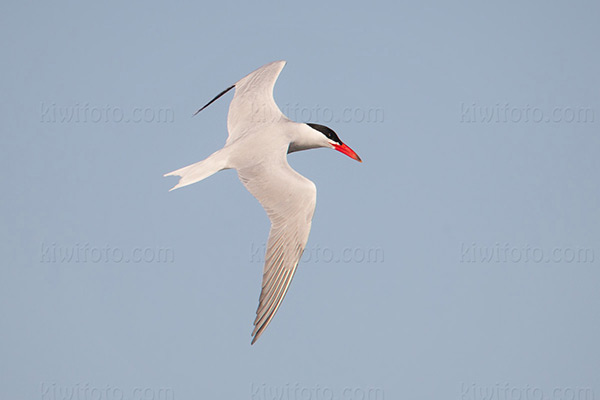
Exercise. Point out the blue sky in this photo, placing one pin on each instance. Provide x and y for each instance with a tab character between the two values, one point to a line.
460	260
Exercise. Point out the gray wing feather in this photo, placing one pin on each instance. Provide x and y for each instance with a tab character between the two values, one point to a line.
253	103
289	200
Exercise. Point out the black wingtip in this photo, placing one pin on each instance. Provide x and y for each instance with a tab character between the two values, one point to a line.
216	97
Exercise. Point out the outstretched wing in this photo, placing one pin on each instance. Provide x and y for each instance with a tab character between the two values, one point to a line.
289	200
253	103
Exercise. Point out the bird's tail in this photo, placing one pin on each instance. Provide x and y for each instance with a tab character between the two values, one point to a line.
200	170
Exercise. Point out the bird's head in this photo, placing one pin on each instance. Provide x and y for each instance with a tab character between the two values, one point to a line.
330	139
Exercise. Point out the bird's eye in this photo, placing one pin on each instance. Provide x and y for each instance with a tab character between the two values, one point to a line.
328	132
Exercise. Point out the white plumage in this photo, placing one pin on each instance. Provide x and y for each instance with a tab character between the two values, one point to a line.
260	137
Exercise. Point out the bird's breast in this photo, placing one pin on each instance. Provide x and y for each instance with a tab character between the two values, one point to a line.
258	148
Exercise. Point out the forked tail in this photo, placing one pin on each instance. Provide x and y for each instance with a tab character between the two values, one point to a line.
200	170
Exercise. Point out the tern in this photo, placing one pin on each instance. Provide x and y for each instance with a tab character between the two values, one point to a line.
260	137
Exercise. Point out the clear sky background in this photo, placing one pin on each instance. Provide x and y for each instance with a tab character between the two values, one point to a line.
461	260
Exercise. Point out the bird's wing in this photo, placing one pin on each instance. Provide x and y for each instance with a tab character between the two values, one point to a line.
289	200
253	103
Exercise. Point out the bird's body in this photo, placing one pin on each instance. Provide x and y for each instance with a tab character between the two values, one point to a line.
260	137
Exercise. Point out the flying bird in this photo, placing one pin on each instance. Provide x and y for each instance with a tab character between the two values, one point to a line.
260	137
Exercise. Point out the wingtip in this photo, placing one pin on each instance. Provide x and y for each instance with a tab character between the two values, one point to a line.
216	98
173	174
197	112
256	333
282	62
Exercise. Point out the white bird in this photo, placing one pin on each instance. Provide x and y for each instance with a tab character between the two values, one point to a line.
260	137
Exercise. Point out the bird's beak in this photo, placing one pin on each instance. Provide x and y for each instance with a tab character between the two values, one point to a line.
342	148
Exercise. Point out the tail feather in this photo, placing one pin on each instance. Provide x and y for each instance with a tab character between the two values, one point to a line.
201	170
